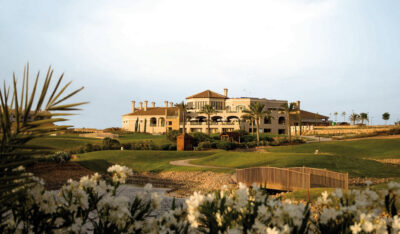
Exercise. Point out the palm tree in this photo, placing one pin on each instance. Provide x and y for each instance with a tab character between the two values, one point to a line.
257	112
26	114
386	116
287	108
344	116
249	118
354	118
183	109
363	117
335	114
208	110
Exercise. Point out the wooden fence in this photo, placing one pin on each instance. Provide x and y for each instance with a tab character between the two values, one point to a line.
291	179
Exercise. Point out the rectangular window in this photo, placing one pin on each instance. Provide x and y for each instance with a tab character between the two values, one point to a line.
169	122
267	130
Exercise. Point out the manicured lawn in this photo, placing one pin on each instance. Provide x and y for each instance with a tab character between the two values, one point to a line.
135	137
346	156
153	161
64	142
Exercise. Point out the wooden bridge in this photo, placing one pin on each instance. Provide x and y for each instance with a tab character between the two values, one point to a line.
292	179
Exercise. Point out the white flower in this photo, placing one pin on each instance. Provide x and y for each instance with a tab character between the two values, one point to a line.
148	187
368	183
119	173
393	185
329	214
356	228
242	195
155	200
323	199
272	230
396	222
20	168
193	203
234	231
218	218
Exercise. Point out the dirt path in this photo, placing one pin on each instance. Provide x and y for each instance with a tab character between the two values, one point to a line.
186	163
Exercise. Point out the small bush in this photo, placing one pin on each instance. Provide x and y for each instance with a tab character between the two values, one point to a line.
109	143
248	138
172	147
199	137
61	157
226	145
204	145
88	147
165	146
172	135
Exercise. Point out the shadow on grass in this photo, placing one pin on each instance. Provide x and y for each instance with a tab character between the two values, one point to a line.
96	165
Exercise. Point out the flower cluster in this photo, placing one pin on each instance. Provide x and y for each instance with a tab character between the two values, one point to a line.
119	173
93	205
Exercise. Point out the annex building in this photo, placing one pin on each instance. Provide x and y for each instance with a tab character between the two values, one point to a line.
227	117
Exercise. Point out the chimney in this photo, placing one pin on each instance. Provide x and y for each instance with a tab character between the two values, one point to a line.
226	92
171	104
141	105
298	104
166	103
133	106
153	104
145	105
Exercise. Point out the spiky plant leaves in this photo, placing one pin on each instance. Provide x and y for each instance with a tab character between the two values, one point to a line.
26	114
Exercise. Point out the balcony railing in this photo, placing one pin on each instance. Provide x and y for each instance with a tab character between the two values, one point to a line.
212	123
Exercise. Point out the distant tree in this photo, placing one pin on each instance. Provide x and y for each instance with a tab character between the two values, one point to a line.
208	110
287	108
354	118
137	125
363	117
344	116
257	112
386	116
250	118
336	115
183	109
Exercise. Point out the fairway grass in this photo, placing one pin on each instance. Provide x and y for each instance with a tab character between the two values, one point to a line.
142	161
342	156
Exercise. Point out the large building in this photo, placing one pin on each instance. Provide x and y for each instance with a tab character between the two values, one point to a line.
228	116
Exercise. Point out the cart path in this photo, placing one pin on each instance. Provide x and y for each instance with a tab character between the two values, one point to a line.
186	163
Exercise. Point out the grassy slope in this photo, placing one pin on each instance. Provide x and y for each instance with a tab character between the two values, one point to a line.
154	161
346	156
64	142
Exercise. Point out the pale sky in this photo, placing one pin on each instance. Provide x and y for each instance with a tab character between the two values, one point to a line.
331	55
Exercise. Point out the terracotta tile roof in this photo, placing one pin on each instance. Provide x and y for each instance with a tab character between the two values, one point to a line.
207	94
156	111
309	115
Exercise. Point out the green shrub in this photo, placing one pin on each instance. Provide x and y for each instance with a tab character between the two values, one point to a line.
165	146
226	145
248	138
199	137
172	147
172	135
204	145
109	143
61	157
88	147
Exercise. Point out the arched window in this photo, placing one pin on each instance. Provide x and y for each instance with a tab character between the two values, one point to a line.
281	120
267	120
153	122
161	122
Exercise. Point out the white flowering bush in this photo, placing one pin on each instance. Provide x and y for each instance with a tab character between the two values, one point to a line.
92	204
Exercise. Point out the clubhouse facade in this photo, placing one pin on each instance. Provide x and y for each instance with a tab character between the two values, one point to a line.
227	117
